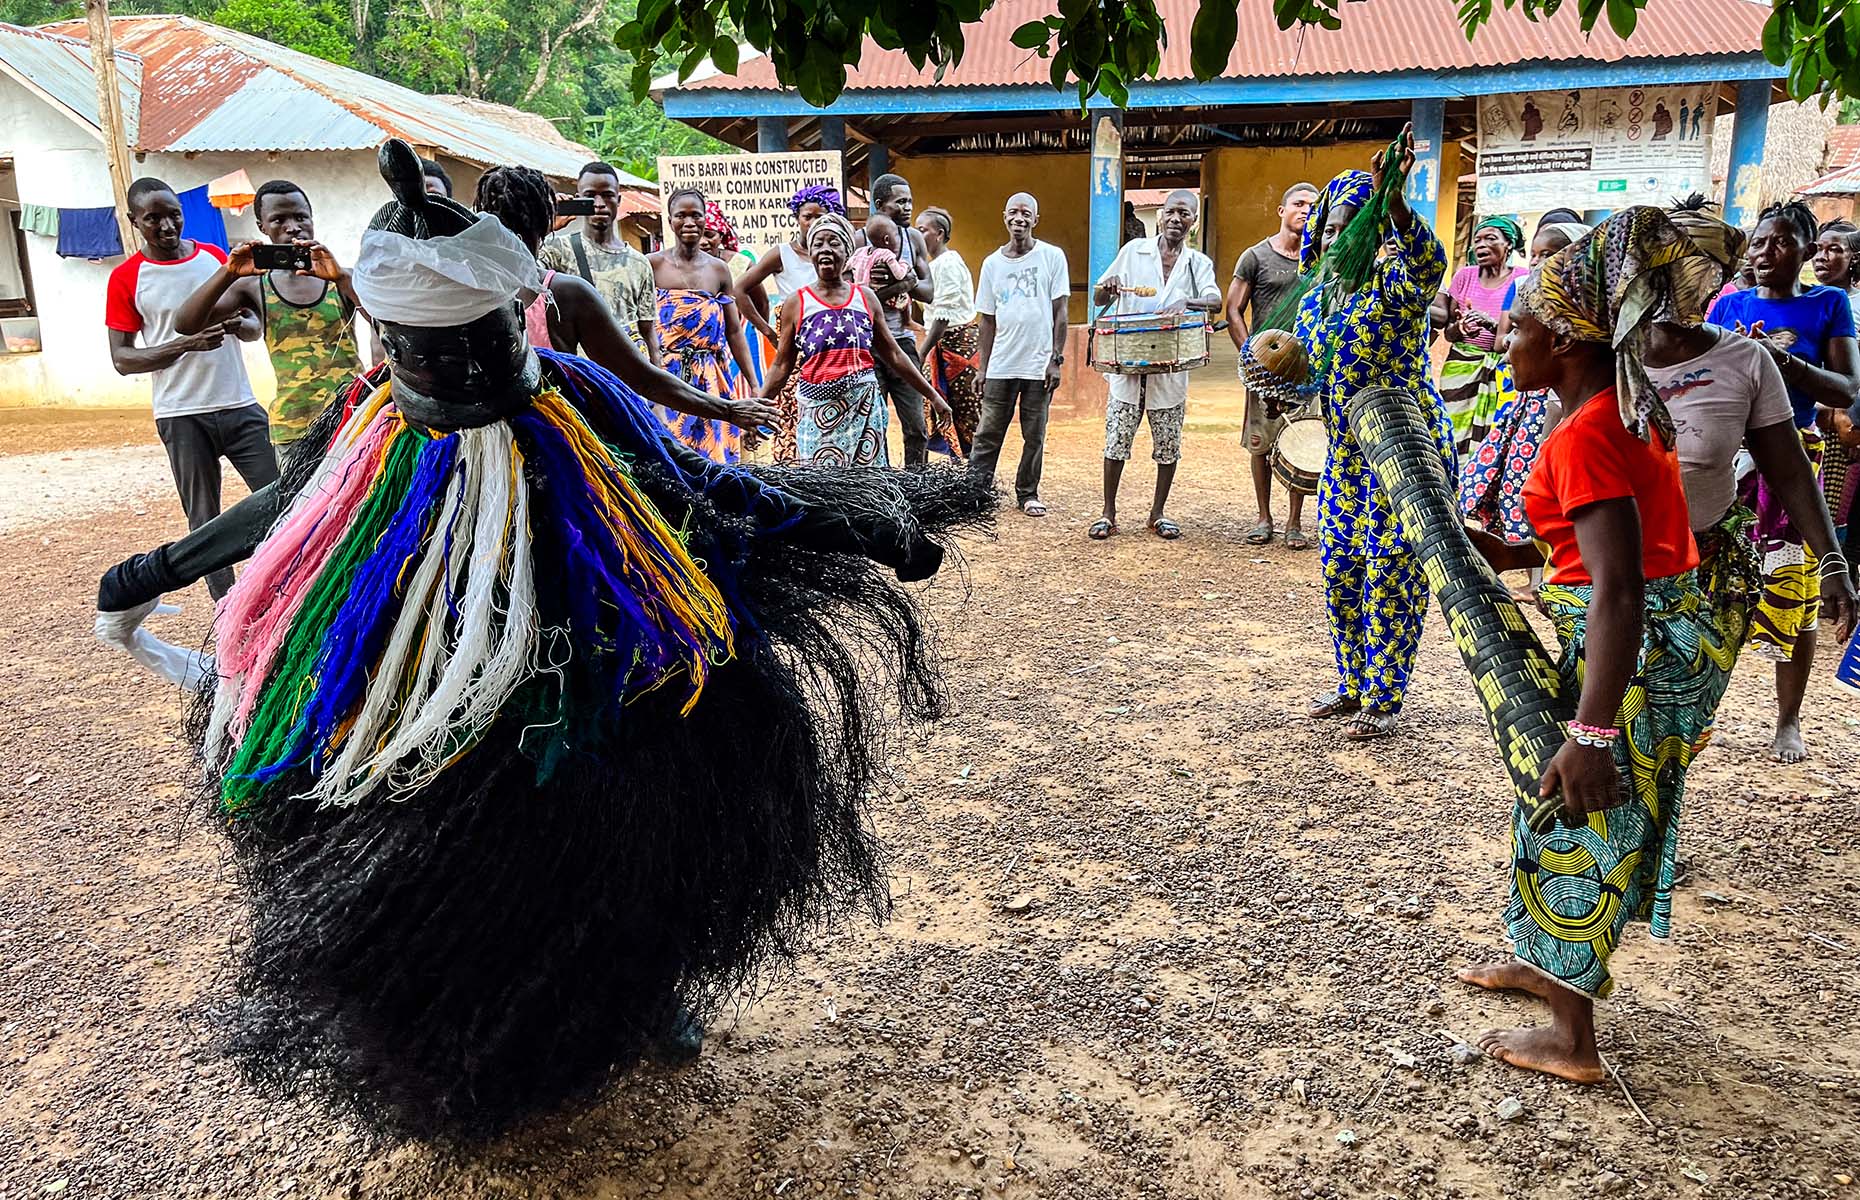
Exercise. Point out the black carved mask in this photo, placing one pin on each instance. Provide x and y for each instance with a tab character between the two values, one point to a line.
462	376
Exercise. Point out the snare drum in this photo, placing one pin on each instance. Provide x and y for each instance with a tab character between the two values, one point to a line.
1298	457
1149	343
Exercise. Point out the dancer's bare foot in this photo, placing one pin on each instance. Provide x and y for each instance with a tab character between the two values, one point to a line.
1789	746
1546	1048
1510	976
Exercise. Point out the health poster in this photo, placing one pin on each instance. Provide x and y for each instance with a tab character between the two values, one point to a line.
1597	149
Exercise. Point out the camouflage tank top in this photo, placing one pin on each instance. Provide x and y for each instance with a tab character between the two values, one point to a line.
312	353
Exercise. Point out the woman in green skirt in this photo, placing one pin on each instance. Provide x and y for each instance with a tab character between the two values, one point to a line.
1639	646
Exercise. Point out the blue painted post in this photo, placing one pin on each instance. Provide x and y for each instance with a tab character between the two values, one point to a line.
771	134
1107	190
833	133
1423	191
1743	184
877	162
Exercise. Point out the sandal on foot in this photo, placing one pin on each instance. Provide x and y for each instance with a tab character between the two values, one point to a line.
1368	726
1101	529
1034	508
1260	534
1165	529
1332	703
1295	539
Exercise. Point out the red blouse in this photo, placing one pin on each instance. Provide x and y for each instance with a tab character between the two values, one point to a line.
1590	457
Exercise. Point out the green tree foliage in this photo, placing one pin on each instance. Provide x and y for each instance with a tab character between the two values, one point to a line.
552	57
1102	46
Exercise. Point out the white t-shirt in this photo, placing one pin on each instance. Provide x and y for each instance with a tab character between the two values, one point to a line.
1715	399
142	297
1019	294
1139	264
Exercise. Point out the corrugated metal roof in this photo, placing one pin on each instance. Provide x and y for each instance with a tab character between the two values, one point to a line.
60	67
315	121
1843	146
1844	182
206	88
1377	37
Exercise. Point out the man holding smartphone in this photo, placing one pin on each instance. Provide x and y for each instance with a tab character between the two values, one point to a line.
204	407
598	254
303	301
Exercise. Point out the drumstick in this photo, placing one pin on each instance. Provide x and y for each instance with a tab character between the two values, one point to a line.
1138	290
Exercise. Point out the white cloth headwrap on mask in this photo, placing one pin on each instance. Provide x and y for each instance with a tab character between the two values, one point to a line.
439	282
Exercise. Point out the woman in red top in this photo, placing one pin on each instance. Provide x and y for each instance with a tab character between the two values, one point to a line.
1639	647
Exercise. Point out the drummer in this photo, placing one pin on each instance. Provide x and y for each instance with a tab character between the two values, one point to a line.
1153	274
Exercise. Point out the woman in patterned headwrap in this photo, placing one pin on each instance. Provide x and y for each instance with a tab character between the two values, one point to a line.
1472	380
1639	646
833	338
1725	391
788	267
1375	335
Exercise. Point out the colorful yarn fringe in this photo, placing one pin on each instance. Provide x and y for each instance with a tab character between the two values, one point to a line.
418	585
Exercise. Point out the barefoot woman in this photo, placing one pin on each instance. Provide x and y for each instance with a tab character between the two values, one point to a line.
1638	644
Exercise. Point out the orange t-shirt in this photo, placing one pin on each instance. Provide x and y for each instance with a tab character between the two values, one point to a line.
1590	457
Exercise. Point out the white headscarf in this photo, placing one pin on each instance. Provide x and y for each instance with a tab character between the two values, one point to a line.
440	282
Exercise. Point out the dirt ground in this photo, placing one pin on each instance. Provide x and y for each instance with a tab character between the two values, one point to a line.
1156	934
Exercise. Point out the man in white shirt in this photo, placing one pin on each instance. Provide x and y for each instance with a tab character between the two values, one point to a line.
204	406
1153	274
1021	297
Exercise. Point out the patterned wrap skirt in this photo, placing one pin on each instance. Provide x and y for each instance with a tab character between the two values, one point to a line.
1791	602
1475	384
1575	888
842	423
955	371
1492	479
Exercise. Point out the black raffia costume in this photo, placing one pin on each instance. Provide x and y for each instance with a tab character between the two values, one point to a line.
531	729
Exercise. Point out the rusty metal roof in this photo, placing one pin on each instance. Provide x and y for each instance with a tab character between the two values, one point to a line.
1377	37
207	88
59	68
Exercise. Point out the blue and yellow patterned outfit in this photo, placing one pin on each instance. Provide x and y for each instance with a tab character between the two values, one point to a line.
1374	590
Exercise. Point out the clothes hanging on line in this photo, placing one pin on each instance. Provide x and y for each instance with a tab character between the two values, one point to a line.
41	219
200	220
88	233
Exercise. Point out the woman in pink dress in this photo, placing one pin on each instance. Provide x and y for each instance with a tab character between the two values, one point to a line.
1473	381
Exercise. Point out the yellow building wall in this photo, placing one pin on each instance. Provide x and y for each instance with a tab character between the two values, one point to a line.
1242	186
975	187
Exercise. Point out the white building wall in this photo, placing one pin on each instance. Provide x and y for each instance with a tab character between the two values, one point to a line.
60	163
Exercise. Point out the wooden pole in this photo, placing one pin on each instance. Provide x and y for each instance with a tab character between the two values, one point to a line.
110	115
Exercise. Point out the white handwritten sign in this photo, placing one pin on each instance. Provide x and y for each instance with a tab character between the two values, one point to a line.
752	189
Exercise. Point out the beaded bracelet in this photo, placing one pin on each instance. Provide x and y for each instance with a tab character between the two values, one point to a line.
1601	737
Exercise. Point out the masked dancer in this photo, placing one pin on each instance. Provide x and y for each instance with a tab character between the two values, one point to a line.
462	732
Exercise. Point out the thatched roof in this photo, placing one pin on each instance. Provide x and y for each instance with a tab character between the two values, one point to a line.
1794	148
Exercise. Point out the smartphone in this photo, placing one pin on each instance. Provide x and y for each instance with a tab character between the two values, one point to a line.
268	256
575	206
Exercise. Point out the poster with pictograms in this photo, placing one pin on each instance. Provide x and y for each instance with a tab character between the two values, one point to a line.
1600	148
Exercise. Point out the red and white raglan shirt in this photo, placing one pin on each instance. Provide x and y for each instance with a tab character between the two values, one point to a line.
143	297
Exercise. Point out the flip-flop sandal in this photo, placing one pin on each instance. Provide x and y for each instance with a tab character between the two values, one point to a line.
1034	508
1368	726
1333	704
1295	539
1101	529
1260	534
1165	529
